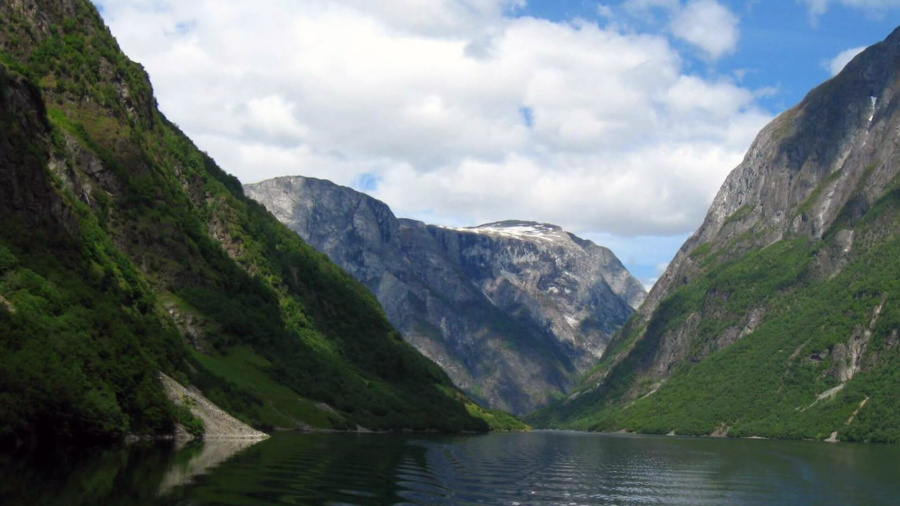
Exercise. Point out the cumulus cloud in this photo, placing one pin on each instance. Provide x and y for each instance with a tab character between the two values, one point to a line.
708	25
819	7
462	114
837	64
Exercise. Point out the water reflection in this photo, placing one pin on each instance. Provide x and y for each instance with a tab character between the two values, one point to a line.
139	474
311	469
87	477
550	468
199	458
533	469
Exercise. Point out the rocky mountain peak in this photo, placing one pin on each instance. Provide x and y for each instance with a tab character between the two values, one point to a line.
517	228
514	310
772	319
822	161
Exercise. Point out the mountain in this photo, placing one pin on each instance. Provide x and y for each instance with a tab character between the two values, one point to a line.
125	251
779	317
513	311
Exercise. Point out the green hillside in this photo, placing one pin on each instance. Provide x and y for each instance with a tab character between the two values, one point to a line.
780	316
124	250
768	384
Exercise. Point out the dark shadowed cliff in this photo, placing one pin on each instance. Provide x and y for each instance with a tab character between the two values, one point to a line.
125	251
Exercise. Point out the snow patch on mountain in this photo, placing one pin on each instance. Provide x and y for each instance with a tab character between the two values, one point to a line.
518	230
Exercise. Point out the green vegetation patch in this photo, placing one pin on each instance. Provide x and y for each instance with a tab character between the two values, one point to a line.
135	216
772	382
279	406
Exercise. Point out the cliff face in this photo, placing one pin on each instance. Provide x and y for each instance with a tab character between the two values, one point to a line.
828	155
778	317
125	251
513	311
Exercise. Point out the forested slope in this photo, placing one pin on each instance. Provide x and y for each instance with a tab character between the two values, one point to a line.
124	250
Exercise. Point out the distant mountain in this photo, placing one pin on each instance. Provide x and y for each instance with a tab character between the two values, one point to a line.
780	316
513	311
125	252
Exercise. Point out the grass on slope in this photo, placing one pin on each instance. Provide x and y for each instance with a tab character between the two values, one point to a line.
768	383
278	405
154	215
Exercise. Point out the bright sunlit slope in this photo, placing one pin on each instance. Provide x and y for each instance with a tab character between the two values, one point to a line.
779	317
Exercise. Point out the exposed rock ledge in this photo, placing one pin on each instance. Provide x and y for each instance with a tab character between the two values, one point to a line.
217	423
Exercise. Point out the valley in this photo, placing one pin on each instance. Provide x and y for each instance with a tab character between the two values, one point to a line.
171	333
515	312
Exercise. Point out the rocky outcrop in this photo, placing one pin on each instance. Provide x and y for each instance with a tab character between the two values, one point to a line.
782	297
576	290
829	157
217	424
513	311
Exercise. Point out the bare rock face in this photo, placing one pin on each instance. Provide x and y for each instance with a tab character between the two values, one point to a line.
217	423
830	157
577	290
786	284
513	311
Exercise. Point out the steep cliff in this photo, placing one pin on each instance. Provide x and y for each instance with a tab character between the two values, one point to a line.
125	251
513	311
779	316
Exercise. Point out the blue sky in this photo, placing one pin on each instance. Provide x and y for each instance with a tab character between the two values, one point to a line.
782	44
617	120
784	48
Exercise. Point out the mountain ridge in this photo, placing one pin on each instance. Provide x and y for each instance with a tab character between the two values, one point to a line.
126	251
789	283
513	310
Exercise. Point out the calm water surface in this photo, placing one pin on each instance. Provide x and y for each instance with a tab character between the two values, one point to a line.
558	468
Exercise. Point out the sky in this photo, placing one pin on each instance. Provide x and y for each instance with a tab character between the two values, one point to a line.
617	120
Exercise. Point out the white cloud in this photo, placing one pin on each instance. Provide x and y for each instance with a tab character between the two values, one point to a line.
605	11
434	17
837	64
819	7
620	138
708	25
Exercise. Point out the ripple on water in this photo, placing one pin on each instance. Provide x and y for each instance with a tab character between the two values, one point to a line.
546	468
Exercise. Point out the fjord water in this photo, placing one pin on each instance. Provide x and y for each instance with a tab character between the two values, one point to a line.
535	468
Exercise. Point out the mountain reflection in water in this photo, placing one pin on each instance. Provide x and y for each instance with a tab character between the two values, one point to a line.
534	469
